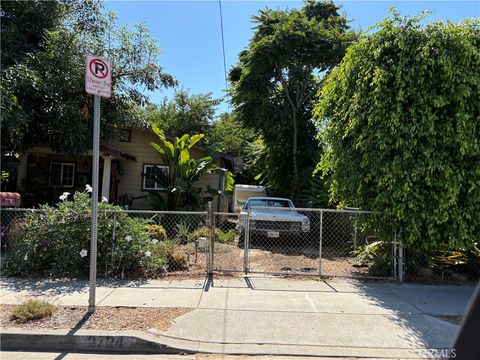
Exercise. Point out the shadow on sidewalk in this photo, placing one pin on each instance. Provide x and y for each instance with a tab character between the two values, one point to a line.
66	287
424	331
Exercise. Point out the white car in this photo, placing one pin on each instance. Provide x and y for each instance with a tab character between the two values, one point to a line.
272	217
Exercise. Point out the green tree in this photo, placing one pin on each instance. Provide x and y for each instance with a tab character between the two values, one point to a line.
400	118
23	26
184	172
275	80
43	97
184	114
237	141
232	134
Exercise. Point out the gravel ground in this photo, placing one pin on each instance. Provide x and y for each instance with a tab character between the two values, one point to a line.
105	318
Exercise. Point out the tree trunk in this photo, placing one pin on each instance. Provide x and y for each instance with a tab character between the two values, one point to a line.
295	106
295	160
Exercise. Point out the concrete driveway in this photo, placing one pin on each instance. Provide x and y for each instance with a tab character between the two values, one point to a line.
269	315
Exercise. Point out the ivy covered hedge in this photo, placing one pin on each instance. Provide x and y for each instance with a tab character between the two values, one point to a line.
400	120
55	241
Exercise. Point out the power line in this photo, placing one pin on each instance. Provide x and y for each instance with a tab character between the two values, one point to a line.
223	44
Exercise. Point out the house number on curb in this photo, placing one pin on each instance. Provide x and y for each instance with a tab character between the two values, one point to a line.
98	82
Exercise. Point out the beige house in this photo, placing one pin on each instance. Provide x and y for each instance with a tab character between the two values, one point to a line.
45	174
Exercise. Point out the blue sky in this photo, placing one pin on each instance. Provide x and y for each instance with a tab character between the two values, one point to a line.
189	34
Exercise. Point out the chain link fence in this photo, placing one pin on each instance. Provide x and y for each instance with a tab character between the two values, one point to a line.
301	241
355	245
131	243
311	242
317	242
228	252
185	233
8	220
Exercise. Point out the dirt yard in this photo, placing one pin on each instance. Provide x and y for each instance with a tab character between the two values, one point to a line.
284	259
274	255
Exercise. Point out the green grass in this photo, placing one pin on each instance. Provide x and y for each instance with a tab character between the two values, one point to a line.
32	310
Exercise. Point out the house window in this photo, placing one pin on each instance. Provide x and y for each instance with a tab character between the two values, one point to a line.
62	174
125	135
151	173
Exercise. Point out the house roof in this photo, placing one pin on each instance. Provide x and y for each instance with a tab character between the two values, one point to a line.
111	151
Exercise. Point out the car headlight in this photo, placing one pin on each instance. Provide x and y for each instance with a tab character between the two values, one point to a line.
306	224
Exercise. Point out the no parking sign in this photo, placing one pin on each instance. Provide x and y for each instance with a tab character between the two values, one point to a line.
98	76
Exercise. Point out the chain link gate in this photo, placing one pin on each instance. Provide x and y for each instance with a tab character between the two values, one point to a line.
229	252
302	241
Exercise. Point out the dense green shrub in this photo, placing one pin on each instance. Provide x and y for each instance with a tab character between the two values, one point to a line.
56	242
32	310
399	118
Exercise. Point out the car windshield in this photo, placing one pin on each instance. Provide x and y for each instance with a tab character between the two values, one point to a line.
268	202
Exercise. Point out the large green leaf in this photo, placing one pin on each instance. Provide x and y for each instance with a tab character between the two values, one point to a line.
159	132
157	148
195	139
184	157
229	182
184	171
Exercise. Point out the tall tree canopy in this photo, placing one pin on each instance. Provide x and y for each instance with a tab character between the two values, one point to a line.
23	27
43	97
184	114
401	123
275	79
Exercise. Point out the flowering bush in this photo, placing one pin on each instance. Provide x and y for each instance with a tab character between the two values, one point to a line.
56	242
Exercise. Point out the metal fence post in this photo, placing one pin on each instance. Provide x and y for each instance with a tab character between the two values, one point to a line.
320	245
355	223
246	243
401	260
210	238
114	224
394	251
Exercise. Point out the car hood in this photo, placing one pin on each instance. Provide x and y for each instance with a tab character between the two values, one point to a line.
276	215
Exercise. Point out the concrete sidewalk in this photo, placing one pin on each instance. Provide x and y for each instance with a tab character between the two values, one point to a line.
265	315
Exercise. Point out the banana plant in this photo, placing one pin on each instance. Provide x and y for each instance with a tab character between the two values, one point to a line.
184	171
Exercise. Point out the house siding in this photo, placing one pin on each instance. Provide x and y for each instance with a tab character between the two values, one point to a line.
131	181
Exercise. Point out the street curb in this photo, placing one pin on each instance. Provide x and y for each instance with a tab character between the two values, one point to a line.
129	344
85	343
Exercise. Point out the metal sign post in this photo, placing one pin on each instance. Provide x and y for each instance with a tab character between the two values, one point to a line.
98	75
95	166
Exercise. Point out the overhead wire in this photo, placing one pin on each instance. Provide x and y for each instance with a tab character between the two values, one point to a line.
223	44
